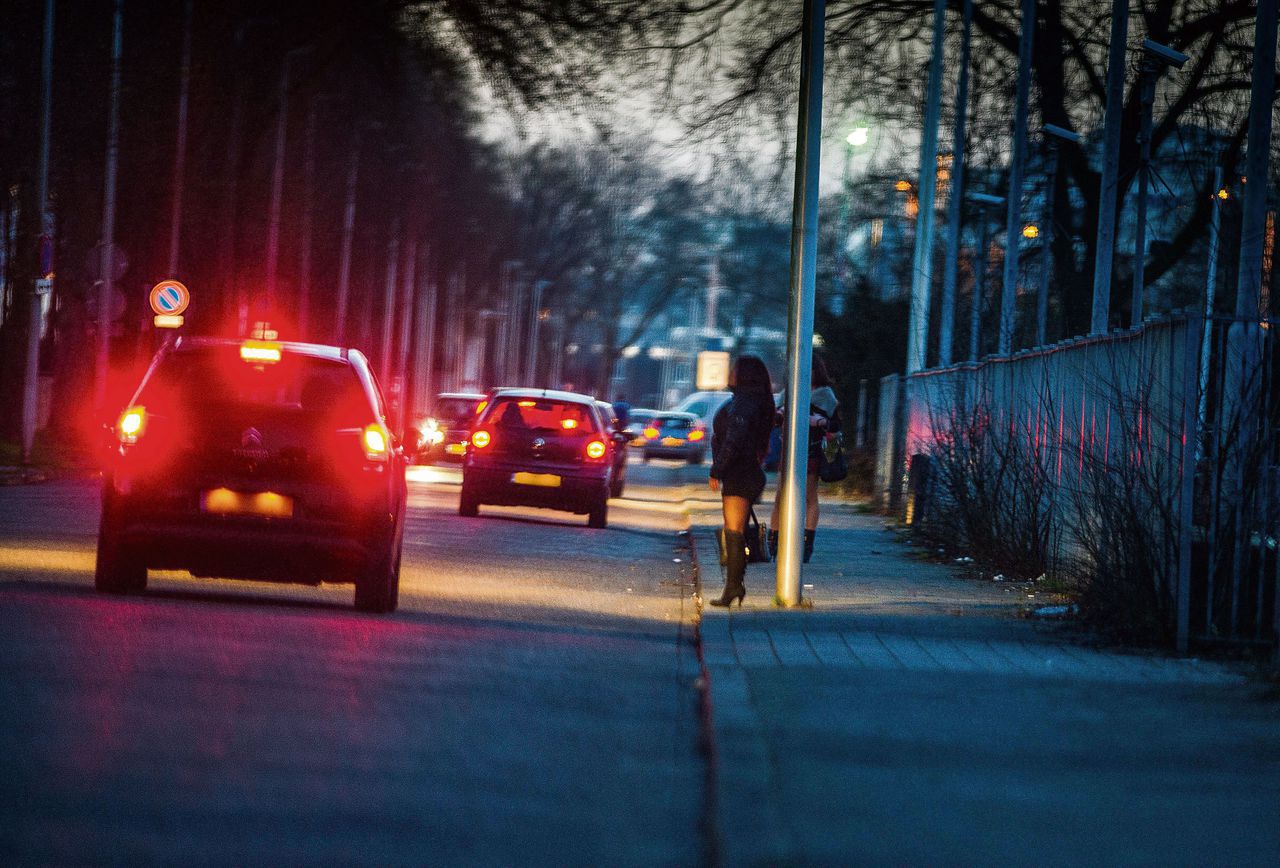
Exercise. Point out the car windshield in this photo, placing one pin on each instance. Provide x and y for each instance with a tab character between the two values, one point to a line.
211	379
455	409
543	415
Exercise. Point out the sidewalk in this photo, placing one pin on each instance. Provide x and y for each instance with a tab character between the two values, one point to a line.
911	717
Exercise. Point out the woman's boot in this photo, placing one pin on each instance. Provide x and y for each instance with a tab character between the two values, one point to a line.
808	544
735	586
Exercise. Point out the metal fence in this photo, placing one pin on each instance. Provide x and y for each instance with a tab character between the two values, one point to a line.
1148	452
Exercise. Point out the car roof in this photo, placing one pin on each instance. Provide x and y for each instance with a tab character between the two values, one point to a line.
319	351
679	413
469	396
553	394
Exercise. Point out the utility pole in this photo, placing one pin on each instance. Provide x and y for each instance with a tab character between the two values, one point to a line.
106	289
408	291
31	372
1111	128
389	303
1147	85
1253	224
232	298
535	324
804	249
1046	240
922	259
277	183
955	205
348	235
1013	227
180	155
1210	293
985	203
308	221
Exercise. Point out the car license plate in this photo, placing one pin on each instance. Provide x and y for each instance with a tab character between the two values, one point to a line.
672	441
543	480
456	449
224	501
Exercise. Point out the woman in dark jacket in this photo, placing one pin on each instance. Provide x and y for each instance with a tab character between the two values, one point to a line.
739	440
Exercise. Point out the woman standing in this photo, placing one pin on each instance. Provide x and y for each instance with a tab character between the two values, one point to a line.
739	440
824	420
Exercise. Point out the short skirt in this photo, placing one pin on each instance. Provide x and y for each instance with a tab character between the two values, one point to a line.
747	485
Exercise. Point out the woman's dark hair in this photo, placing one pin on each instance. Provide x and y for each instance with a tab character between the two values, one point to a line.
821	376
750	375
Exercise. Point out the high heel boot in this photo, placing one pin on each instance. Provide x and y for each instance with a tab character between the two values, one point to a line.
735	586
808	544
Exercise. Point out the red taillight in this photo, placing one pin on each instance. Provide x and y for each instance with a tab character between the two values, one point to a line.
596	449
481	439
131	425
651	433
697	434
376	443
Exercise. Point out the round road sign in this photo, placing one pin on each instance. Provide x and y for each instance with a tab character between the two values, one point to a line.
169	298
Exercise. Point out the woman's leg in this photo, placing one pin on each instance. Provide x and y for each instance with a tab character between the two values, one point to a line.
811	506
736	510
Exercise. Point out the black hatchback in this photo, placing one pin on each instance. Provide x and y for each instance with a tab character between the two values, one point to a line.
255	460
540	448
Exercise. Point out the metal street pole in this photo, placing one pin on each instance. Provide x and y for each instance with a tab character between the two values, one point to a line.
1013	227
1046	241
1210	293
1111	127
1254	210
955	205
408	291
180	155
348	235
31	371
232	288
535	325
277	183
389	303
308	221
985	203
425	345
922	257
804	250
108	262
1147	83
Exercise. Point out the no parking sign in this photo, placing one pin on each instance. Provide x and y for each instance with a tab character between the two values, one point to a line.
169	298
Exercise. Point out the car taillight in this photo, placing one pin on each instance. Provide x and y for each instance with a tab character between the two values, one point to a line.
697	434
596	449
375	443
481	439
131	425
651	432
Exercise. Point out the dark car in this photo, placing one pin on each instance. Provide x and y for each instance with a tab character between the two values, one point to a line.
620	440
443	434
255	460
637	421
675	435
533	447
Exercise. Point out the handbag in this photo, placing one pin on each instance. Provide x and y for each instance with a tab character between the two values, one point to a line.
756	551
833	467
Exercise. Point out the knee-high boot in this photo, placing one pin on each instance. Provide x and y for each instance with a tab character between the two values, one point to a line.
735	587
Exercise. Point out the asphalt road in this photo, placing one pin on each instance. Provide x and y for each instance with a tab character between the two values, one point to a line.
532	701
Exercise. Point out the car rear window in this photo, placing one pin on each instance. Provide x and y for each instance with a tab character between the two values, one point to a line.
455	409
677	423
207	379
543	415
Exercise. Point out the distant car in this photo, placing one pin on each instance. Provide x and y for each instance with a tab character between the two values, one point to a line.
676	435
541	448
636	423
704	405
620	440
443	434
255	460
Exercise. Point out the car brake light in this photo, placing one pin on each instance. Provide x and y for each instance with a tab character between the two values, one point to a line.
260	352
130	426
480	407
481	439
697	434
568	424
651	432
375	443
596	449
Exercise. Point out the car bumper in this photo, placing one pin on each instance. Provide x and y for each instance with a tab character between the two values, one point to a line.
684	450
577	492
